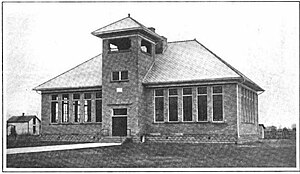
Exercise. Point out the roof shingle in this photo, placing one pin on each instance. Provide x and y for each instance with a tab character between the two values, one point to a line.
187	61
87	74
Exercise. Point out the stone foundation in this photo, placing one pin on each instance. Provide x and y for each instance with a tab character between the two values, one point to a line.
198	138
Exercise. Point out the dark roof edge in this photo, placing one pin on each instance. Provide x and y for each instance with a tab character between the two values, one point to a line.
37	87
232	68
214	80
32	116
69	88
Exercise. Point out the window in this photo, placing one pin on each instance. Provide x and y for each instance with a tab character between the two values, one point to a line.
248	106
119	75
65	108
76	107
159	105
99	106
202	103
34	120
146	47
87	107
121	44
217	103
54	109
173	105
187	104
122	112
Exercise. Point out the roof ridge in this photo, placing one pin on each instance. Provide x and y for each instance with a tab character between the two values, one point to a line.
110	24
223	61
182	41
67	71
227	64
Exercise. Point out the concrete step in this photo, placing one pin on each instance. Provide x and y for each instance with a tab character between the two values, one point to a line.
113	139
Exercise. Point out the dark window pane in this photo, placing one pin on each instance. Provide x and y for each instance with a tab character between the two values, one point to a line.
119	44
124	75
159	109
65	111
34	120
202	108
202	90
98	110
88	110
54	110
120	111
115	76
173	109
217	108
217	89
187	108
173	92
65	96
99	94
187	91
54	97
87	96
76	96
159	92
76	110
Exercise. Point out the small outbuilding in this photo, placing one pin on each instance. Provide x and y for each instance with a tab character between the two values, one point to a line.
25	124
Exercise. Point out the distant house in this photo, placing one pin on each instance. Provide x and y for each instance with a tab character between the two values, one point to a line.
25	124
145	88
261	131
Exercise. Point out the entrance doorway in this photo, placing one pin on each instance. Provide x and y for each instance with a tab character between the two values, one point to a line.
119	126
119	122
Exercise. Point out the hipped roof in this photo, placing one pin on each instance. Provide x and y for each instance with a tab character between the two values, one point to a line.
125	24
181	61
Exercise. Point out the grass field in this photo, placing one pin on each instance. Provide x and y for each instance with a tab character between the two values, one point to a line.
269	153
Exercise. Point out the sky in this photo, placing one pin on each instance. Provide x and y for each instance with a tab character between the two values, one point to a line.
43	40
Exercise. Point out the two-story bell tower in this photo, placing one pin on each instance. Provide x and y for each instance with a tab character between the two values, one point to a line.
129	50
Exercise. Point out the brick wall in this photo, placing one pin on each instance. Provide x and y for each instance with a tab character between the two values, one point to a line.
137	65
66	128
228	127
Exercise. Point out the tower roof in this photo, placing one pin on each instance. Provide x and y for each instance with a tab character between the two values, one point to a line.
125	24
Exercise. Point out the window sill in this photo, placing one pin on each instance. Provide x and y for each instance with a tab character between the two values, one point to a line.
118	81
120	51
148	54
188	122
218	122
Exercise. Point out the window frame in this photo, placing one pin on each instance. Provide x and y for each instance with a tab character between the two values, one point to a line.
206	94
173	96
78	107
223	112
86	100
187	95
112	112
163	98
98	98
67	112
120	76
56	101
